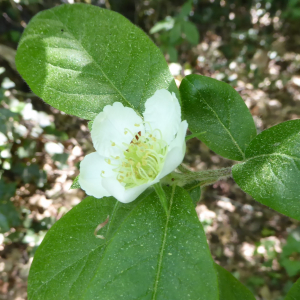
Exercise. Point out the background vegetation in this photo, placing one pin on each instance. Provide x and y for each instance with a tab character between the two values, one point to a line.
251	44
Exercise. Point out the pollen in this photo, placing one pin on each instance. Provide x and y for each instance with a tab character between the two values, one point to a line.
143	158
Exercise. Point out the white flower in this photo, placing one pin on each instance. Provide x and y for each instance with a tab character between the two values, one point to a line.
133	153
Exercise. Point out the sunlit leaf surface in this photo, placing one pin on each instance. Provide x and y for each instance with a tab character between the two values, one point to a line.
145	255
218	114
271	171
79	58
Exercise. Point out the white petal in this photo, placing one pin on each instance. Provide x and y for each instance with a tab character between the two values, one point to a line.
163	112
109	127
120	193
90	178
176	151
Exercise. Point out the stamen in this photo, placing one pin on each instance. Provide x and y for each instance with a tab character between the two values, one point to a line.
151	166
126	129
133	175
159	133
148	125
142	170
142	158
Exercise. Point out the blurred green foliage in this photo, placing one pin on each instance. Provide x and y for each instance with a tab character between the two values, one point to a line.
290	256
9	217
175	30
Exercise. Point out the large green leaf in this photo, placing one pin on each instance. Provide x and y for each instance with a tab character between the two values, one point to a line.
145	254
217	112
294	292
79	58
230	288
271	171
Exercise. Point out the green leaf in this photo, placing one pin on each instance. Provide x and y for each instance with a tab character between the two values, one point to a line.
166	24
194	190
271	171
186	9
175	33
145	254
90	125
173	54
287	256
292	243
230	288
294	292
87	57
9	217
191	32
214	109
75	184
291	266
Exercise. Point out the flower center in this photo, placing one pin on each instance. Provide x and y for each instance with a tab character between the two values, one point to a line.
143	159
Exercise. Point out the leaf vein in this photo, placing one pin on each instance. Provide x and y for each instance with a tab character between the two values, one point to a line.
220	121
274	154
76	94
68	69
96	64
163	247
73	263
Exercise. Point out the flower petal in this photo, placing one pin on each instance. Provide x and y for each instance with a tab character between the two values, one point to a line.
118	191
109	129
162	111
176	151
90	178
